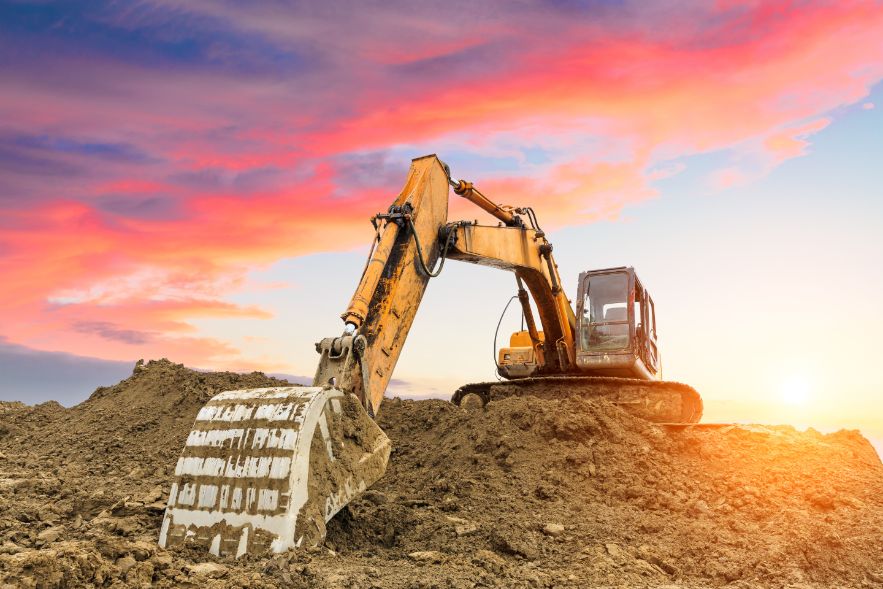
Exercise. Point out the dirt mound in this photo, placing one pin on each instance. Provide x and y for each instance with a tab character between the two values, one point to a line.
523	493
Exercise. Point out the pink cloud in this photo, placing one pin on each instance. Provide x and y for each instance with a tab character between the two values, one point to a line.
728	178
793	142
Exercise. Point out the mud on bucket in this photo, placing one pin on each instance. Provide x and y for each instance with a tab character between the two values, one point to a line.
265	469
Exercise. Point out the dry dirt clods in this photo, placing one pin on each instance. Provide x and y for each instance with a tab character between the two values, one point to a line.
525	493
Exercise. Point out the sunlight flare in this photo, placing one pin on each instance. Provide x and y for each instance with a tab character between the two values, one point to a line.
795	390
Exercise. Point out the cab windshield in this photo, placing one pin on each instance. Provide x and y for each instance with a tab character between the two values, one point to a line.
605	320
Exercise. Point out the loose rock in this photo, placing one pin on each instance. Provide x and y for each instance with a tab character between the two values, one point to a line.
427	556
211	570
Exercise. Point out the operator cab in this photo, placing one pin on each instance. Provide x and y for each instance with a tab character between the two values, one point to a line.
616	332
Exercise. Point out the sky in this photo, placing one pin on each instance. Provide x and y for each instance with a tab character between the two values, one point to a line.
193	180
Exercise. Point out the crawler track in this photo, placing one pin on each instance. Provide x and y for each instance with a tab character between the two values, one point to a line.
658	401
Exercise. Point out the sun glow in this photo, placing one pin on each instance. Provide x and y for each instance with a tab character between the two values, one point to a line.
795	390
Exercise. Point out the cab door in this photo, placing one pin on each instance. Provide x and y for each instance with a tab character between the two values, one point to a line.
644	324
652	359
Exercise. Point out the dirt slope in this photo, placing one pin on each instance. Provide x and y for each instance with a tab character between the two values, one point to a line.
523	493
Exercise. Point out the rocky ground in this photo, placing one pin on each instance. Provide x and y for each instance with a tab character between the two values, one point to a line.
522	493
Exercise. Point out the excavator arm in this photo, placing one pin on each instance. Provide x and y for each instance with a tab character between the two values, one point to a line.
266	469
411	237
525	252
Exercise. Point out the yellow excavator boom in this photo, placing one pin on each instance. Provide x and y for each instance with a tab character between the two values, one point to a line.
411	238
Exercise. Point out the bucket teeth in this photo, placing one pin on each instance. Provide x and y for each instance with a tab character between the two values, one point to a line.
266	469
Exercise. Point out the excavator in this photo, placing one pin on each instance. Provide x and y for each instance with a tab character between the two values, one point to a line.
264	470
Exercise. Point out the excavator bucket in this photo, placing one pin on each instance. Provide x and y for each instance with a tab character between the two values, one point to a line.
266	469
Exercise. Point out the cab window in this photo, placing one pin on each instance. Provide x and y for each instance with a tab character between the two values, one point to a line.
605	321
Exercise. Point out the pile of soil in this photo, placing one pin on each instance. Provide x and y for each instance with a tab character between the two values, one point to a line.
521	493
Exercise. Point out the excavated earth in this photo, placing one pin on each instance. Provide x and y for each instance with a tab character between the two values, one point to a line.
522	493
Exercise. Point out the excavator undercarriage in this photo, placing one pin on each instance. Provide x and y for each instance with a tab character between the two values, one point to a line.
266	469
653	400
